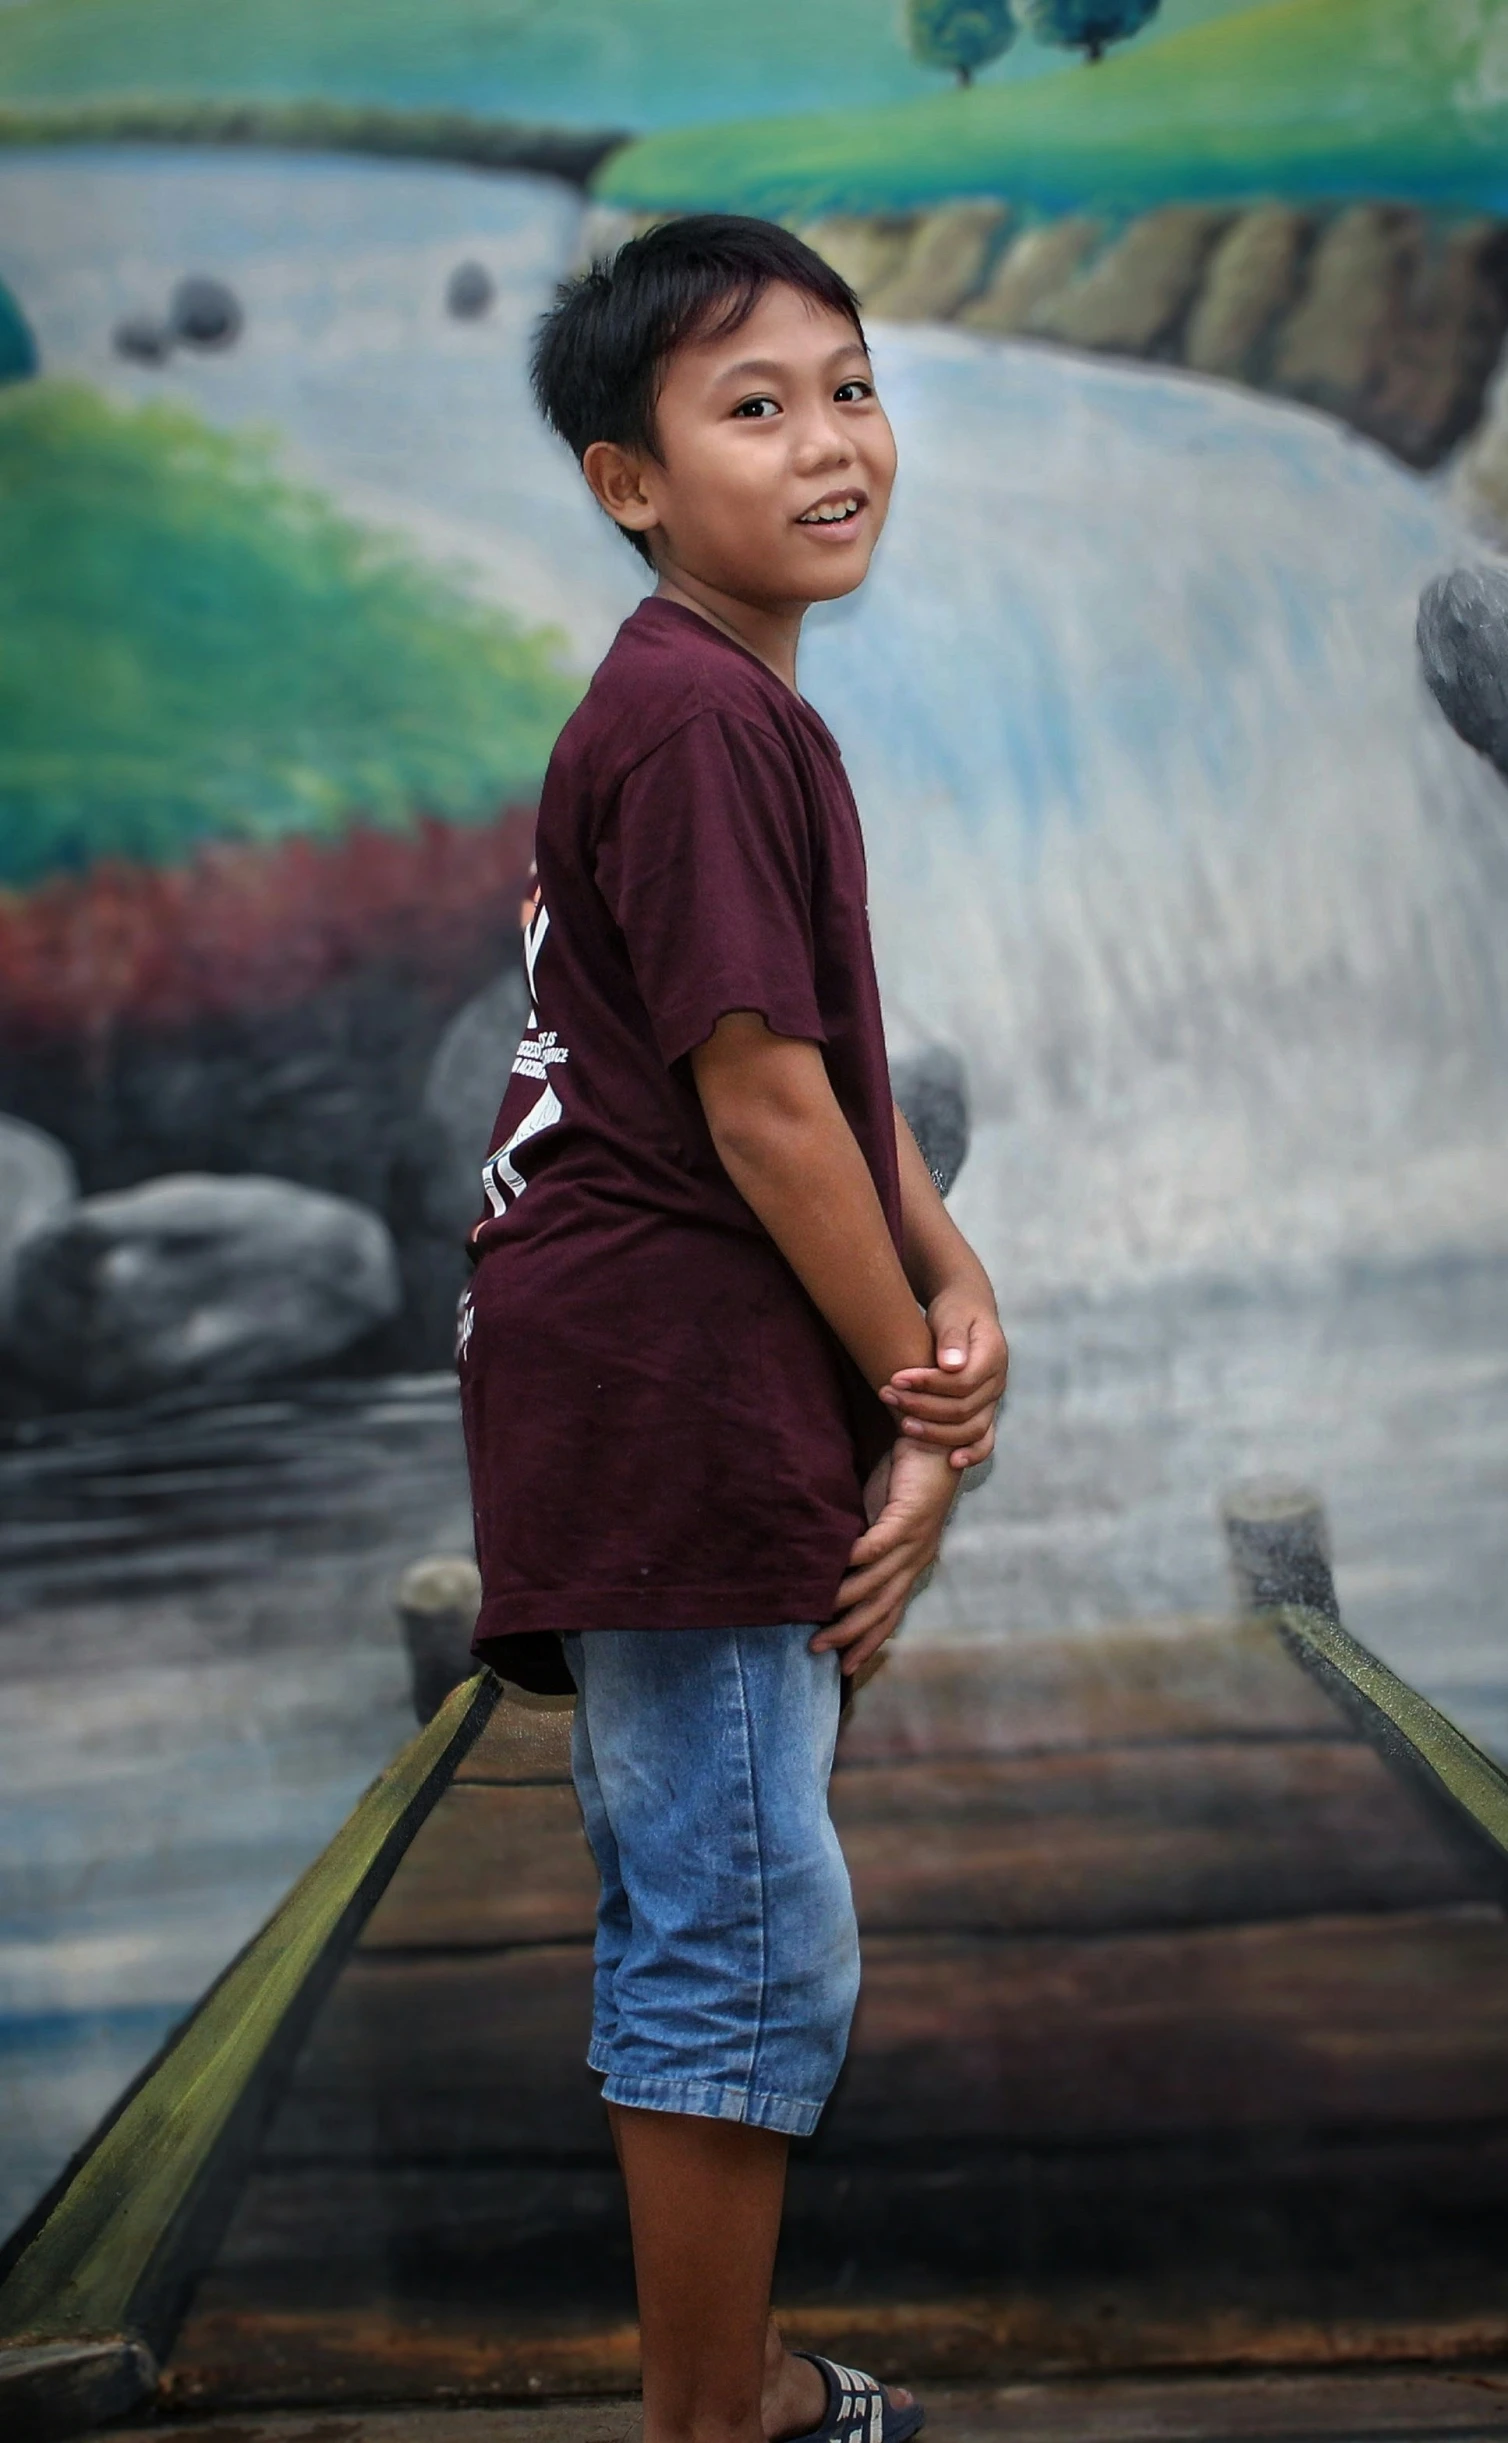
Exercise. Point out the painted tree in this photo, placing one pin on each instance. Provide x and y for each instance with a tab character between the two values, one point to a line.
18	349
959	34
1089	26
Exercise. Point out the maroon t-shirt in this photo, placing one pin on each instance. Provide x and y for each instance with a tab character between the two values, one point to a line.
663	1431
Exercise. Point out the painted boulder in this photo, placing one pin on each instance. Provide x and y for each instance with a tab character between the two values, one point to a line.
470	291
37	1185
932	1090
205	313
1463	644
466	1082
197	1280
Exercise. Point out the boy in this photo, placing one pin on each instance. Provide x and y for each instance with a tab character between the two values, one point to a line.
695	1359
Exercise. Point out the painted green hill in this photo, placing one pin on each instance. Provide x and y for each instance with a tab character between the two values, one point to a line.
582	63
1308	97
193	649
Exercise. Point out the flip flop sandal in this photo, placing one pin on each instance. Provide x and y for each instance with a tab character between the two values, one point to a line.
857	2410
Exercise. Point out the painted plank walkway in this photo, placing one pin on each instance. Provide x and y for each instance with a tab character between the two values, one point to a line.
1183	2043
1464	2404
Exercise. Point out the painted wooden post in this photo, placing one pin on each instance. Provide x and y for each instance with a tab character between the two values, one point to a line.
1279	1545
438	1601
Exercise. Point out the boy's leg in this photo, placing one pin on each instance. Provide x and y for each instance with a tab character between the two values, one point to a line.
704	2202
702	1756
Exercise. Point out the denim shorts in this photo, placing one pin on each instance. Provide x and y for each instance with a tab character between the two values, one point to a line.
727	1957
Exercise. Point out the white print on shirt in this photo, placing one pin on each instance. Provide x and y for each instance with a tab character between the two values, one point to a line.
498	1172
534	941
540	1050
533	1059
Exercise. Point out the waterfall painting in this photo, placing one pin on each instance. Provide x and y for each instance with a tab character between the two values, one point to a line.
1192	321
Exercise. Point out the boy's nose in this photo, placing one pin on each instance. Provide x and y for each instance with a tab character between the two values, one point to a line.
825	446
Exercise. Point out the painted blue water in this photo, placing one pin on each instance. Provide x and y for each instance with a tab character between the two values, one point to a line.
199	1673
1164	834
1164	830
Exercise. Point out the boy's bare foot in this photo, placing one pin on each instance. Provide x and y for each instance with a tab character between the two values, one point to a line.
795	2397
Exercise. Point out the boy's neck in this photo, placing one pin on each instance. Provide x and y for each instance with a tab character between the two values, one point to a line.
771	632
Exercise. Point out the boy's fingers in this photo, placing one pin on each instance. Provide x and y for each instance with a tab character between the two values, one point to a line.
977	1452
868	1629
856	1657
958	1434
937	1411
950	1425
940	1382
915	1383
863	1587
876	1541
860	1585
839	1640
853	1592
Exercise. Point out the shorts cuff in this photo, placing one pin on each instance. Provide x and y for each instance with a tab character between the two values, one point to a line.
789	2114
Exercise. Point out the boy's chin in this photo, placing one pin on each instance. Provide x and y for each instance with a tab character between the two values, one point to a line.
831	584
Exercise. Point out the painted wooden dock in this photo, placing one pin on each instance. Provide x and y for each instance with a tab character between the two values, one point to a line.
1183	2045
1337	2406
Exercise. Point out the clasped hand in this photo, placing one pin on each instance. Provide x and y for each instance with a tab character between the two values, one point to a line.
947	1414
951	1406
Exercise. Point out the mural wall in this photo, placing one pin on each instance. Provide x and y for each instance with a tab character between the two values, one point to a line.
1189	319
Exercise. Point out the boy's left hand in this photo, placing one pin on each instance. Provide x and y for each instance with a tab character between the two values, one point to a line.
906	1500
952	1404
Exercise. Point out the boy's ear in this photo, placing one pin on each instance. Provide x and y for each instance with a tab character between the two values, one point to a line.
616	478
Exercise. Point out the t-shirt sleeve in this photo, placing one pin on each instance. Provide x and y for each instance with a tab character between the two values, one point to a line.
706	865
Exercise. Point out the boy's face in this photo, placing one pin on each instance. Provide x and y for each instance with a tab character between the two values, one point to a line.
776	459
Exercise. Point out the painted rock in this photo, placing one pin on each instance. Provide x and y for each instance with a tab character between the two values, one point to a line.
466	1082
205	313
932	1090
197	1280
470	291
1463	644
37	1185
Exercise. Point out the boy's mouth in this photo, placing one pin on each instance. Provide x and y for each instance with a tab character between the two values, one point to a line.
835	509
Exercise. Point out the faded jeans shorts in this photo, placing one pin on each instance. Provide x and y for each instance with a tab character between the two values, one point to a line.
727	1956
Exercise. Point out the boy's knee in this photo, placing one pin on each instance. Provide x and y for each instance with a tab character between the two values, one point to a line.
829	2003
843	1996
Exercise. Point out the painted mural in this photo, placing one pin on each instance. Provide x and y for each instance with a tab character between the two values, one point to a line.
1191	320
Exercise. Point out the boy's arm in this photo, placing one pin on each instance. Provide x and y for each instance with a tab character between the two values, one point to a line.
785	1144
950	1403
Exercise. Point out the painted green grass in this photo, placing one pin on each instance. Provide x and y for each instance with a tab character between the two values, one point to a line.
1307	97
193	649
581	63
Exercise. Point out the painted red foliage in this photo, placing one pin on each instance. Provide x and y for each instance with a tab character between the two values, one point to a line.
245	929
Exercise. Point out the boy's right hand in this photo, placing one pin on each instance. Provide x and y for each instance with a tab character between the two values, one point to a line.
908	1498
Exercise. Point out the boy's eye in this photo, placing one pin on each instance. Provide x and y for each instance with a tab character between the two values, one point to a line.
856	389
756	408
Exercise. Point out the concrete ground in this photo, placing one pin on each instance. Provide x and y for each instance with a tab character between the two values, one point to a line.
1394	2403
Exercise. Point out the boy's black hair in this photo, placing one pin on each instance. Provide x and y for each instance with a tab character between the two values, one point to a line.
600	352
